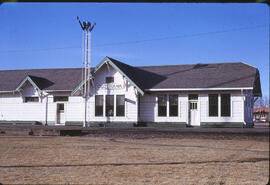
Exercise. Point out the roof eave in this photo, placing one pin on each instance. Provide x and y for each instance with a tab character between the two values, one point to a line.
107	60
27	78
12	91
58	90
198	89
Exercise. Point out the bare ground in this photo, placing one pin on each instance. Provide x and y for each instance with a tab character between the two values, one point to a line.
116	160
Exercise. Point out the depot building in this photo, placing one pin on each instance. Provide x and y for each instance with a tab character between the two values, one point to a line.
214	94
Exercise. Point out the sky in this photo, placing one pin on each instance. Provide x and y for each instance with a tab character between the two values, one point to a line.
47	35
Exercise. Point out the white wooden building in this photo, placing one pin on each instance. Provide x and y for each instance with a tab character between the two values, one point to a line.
216	94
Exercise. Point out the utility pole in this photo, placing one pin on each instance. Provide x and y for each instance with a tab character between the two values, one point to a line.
86	72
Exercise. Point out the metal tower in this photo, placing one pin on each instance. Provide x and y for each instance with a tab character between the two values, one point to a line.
86	62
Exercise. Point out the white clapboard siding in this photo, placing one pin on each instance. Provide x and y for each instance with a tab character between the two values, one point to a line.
7	99
22	111
123	88
12	106
74	111
149	112
147	108
236	109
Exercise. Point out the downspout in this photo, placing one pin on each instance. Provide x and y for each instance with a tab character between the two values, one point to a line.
46	110
137	97
138	110
39	94
242	93
187	113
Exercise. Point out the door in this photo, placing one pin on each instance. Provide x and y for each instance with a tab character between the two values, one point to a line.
60	116
193	113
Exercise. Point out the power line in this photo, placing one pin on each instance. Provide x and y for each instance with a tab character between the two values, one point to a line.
143	41
40	49
182	36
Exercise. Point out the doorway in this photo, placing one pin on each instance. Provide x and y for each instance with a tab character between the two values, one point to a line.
60	115
193	113
193	110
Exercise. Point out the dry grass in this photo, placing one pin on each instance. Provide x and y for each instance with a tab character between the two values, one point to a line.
90	160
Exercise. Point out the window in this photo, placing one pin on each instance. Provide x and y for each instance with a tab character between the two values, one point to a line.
213	104
99	105
193	105
60	98
120	105
109	80
225	105
193	97
31	99
173	105
162	105
109	105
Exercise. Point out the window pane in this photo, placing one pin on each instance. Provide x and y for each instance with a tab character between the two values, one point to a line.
31	99
173	105
109	105
109	79
120	105
99	105
193	105
193	97
213	104
60	98
225	105
162	105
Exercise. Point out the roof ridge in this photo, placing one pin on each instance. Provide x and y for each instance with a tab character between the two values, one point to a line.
190	64
42	69
168	65
112	59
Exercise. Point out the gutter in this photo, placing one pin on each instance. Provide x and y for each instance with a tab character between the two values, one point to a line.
7	91
13	91
198	89
56	90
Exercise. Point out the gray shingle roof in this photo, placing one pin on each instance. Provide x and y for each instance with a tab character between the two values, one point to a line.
221	75
46	79
213	75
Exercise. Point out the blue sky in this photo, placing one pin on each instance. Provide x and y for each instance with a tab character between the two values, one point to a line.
47	35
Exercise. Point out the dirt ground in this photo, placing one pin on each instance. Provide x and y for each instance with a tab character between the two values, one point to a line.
105	160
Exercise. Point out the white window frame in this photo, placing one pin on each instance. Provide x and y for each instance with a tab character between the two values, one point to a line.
167	108
178	106
219	106
124	105
114	106
230	106
102	105
31	101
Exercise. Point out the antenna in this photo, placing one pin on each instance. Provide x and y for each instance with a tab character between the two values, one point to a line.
86	58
